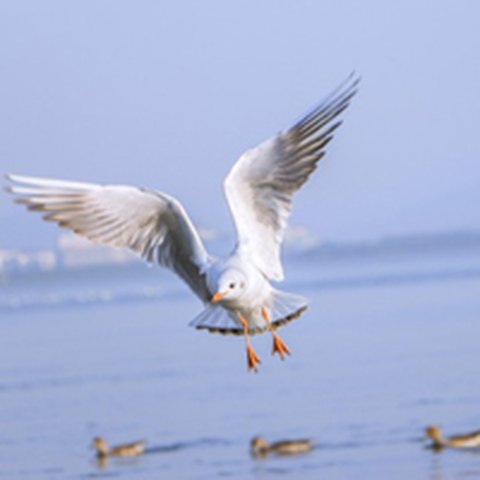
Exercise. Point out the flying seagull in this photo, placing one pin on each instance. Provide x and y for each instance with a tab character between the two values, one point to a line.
236	291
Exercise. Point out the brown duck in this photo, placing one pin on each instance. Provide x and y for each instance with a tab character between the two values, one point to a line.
260	448
467	440
124	450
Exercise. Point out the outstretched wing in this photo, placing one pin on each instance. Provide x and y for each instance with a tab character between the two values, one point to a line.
261	184
150	223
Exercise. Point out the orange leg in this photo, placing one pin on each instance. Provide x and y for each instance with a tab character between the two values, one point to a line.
252	358
278	345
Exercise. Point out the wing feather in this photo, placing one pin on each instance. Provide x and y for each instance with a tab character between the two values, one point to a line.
147	222
260	186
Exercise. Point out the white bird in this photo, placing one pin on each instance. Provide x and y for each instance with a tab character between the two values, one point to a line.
236	291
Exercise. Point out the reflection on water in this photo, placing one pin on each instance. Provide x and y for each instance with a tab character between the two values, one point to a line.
388	346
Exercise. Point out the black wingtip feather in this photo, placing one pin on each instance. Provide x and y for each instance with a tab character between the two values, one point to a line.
346	90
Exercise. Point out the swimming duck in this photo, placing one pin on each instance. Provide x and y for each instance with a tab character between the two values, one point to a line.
468	440
125	450
259	447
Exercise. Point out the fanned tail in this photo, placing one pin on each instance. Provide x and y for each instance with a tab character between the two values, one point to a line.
284	307
216	319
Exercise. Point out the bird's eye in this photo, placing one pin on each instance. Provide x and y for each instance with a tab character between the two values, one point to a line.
232	285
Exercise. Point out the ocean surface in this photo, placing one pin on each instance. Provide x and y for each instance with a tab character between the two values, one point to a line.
390	344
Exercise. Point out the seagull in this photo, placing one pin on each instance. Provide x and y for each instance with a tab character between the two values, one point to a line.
236	291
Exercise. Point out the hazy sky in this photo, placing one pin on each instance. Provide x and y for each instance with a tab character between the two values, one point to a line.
168	94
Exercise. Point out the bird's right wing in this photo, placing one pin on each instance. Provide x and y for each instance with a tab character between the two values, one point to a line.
150	223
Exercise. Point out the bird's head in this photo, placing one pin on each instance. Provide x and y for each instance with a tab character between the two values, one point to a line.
230	286
100	446
258	447
434	433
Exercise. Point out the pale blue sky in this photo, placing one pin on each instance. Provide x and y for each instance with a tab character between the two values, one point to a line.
168	94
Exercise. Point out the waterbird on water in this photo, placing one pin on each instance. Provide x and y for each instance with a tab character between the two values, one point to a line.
466	440
236	291
260	448
125	450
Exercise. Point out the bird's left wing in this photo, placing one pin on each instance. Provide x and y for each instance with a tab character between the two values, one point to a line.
261	184
150	223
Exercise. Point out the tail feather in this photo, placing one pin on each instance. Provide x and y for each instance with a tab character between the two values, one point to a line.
285	304
216	319
283	308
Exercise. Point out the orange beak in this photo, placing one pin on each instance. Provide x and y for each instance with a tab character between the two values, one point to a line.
217	297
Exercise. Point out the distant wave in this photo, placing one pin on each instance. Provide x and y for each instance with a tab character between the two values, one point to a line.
85	298
385	279
67	381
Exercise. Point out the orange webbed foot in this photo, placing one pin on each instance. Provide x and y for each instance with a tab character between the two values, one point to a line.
279	347
252	359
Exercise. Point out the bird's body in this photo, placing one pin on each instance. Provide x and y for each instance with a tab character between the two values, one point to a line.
236	291
260	448
466	440
256	294
132	449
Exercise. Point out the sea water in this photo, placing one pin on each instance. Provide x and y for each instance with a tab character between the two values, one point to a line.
390	343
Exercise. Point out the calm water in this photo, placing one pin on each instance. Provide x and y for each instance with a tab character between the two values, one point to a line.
388	346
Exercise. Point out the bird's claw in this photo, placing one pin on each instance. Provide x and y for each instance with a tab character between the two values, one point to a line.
279	347
252	359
